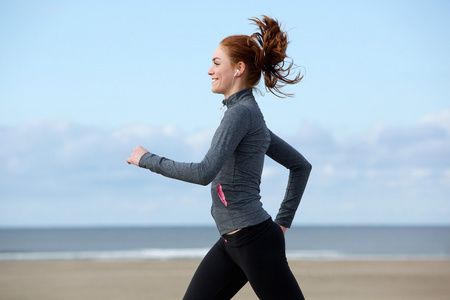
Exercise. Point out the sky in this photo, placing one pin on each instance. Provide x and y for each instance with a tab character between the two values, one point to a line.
83	82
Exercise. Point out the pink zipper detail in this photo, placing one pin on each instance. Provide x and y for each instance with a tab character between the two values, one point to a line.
221	195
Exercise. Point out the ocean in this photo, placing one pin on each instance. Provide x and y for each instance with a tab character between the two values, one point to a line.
163	243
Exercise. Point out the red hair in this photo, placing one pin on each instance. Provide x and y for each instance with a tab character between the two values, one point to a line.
263	52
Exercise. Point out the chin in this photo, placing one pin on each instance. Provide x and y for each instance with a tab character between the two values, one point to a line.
215	91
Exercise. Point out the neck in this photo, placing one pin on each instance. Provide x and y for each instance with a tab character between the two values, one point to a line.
236	86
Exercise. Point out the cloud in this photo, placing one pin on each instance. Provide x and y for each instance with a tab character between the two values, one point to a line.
59	173
388	174
199	142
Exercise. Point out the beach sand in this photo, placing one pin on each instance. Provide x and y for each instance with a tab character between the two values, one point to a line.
152	279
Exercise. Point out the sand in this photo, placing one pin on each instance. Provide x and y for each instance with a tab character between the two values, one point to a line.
135	280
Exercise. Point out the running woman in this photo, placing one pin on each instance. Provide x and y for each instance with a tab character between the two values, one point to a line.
252	246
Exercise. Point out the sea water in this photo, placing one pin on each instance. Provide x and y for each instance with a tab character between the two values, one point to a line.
137	243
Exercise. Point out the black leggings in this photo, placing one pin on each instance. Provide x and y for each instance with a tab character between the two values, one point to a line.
255	254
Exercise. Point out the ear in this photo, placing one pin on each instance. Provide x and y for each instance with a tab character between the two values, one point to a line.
241	67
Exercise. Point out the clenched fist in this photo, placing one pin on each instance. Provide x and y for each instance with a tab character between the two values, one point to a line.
136	155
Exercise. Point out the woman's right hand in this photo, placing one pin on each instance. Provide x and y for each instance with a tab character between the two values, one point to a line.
136	155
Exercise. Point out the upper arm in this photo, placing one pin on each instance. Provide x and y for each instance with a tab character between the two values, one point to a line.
285	154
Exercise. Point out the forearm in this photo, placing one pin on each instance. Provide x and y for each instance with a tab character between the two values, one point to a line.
199	173
298	179
299	170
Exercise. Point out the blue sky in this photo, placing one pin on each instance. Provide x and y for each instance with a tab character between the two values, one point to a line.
83	82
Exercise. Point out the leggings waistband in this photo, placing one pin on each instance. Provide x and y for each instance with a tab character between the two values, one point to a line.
247	234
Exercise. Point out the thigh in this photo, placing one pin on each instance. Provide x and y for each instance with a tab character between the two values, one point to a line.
217	277
265	265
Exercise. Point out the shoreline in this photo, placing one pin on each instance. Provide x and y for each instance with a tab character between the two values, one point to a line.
168	279
151	254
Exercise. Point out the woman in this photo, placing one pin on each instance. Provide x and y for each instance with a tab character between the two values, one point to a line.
252	246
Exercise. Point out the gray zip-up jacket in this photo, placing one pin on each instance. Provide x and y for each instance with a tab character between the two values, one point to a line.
234	164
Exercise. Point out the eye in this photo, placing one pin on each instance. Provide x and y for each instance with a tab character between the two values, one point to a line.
216	63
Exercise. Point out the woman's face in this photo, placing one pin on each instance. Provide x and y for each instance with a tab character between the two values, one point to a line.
221	73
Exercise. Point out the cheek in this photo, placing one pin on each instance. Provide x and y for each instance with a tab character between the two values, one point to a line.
227	78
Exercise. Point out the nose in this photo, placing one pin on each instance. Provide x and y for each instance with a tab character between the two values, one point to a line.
210	72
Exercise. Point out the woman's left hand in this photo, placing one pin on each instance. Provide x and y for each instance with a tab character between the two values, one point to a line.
283	228
136	155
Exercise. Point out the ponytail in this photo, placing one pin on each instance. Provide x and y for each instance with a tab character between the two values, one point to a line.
264	52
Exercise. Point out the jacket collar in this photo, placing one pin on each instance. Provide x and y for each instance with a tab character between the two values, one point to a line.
237	97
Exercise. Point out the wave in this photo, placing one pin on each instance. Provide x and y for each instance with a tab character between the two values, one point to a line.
335	255
195	253
139	254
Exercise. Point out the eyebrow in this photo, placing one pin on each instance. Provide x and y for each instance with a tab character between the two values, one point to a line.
215	58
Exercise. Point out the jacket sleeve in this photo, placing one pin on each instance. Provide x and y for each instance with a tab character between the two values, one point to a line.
233	127
299	170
